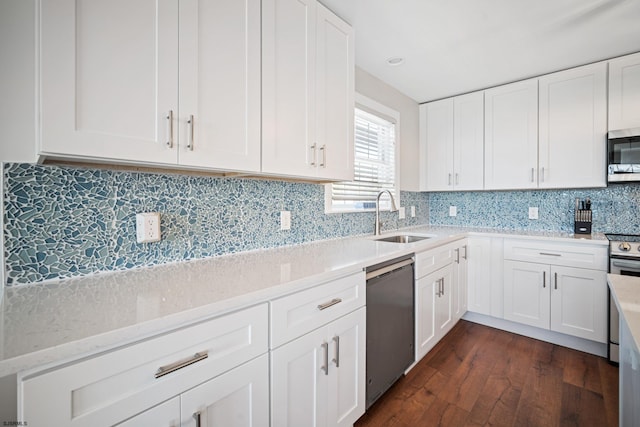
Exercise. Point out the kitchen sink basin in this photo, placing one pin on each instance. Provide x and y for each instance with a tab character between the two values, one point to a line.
404	238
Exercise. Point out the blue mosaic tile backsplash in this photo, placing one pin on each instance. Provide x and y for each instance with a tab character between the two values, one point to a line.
63	222
615	209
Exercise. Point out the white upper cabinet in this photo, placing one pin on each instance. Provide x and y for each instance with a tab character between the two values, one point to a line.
624	92
468	142
174	83
438	133
107	90
452	132
511	136
572	128
219	110
307	91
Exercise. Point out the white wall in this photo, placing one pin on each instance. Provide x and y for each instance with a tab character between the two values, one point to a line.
376	89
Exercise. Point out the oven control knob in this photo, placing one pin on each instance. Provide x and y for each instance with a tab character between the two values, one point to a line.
624	246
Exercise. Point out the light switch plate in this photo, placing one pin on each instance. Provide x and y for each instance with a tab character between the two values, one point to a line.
453	211
285	220
533	212
401	213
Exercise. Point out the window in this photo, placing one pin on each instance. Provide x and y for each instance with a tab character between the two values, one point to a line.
374	161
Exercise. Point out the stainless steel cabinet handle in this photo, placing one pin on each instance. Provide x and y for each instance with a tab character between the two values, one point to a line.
544	279
167	369
465	252
532	172
549	254
457	255
329	304
336	360
323	149
325	348
442	285
170	129
457	178
196	416
555	280
190	123
542	176
313	153
449	179
438	292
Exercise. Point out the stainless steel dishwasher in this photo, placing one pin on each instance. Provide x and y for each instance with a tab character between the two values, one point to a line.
390	324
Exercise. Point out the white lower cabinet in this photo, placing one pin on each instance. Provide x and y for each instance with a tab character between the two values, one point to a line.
218	367
318	379
557	292
440	293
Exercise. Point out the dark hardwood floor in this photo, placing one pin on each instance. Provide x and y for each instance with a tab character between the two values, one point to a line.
480	376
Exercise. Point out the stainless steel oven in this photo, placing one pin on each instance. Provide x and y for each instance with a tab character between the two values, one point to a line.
624	259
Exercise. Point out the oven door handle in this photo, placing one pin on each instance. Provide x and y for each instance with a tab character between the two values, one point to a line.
626	264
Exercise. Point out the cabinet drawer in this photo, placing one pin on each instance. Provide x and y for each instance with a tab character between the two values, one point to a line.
557	253
114	386
297	314
431	260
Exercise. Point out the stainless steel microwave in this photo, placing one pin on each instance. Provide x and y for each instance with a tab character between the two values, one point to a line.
623	147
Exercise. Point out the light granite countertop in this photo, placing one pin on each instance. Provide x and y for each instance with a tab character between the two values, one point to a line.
57	322
626	293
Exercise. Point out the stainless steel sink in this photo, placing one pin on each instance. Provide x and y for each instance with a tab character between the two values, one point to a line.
404	238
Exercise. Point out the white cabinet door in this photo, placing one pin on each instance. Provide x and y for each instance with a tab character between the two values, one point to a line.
307	91
426	290
335	89
460	283
444	303
511	136
573	127
288	87
318	379
439	145
347	356
624	92
578	302
468	142
299	383
526	293
166	414
238	398
107	90
479	274
219	111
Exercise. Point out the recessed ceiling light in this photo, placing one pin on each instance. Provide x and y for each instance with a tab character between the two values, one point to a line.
396	60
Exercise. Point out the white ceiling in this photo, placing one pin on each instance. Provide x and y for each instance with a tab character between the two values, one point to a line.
457	46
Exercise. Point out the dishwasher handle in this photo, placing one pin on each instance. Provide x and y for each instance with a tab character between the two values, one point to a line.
389	268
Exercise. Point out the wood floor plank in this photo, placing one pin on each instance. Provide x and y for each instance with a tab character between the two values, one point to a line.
480	376
581	407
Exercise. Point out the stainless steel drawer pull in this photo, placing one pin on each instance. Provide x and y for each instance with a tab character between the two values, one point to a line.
167	369
544	279
329	304
196	416
336	360
190	123
170	129
549	254
324	156
313	152
555	280
325	348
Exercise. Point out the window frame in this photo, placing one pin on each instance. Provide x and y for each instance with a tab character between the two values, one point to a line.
371	106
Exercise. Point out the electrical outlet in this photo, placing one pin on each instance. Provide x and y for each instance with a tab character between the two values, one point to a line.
413	211
285	220
533	212
148	227
453	211
401	213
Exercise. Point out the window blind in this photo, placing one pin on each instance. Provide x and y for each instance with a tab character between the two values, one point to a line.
374	164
